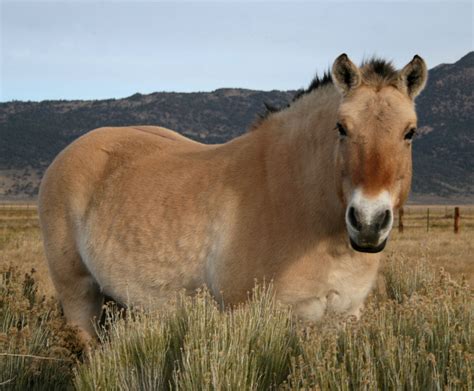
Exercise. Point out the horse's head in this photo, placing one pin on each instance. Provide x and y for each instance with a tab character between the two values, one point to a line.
376	124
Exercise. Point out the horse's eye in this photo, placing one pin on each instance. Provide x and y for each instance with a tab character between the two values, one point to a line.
341	129
409	135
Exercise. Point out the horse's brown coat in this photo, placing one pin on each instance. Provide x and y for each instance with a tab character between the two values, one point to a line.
138	213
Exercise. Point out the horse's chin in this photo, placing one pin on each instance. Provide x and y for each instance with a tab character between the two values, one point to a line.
368	249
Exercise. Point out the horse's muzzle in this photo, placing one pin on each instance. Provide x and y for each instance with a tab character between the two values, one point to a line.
369	222
368	248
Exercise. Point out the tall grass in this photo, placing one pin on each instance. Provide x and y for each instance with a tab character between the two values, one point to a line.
405	276
193	345
422	343
415	336
37	349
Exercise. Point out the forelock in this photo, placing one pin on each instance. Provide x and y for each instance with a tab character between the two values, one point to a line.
378	73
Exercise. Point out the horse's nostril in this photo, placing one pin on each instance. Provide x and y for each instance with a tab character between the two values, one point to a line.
386	219
353	219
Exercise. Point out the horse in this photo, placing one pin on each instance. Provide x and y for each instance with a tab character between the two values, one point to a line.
305	199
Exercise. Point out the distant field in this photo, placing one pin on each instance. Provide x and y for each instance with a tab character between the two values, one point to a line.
416	332
437	242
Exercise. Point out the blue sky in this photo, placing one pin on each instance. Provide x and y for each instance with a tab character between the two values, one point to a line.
90	49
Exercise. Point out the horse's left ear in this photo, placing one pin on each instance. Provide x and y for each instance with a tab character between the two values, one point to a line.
413	76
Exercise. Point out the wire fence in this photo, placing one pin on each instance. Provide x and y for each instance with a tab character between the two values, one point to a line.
18	206
436	217
419	217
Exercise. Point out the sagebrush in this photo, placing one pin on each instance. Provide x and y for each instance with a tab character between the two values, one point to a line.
415	335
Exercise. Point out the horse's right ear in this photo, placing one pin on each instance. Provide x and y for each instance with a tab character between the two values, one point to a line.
413	76
345	75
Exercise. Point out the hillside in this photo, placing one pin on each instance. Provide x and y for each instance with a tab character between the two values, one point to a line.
32	133
444	154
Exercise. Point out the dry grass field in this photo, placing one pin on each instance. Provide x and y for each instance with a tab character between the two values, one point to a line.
416	332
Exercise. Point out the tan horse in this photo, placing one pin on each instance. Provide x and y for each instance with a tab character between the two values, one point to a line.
306	198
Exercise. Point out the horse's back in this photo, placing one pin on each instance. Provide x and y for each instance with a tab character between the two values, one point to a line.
80	168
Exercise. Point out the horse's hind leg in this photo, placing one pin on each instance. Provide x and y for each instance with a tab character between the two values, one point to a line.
78	292
82	301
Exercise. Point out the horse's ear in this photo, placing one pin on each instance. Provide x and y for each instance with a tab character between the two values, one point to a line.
413	76
345	75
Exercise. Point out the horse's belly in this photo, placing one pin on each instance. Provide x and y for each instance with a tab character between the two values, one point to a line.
146	272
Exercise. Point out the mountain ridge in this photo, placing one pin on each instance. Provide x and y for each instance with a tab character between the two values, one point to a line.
32	133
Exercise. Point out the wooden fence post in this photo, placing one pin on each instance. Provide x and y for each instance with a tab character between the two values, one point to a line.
428	220
457	219
400	220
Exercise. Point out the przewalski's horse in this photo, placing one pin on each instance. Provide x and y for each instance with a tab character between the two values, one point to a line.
306	199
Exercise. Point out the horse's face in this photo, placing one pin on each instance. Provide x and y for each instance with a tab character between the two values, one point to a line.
376	124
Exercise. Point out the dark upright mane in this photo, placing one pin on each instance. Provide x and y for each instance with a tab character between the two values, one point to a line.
316	83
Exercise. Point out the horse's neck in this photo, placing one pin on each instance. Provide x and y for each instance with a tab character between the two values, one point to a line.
300	147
